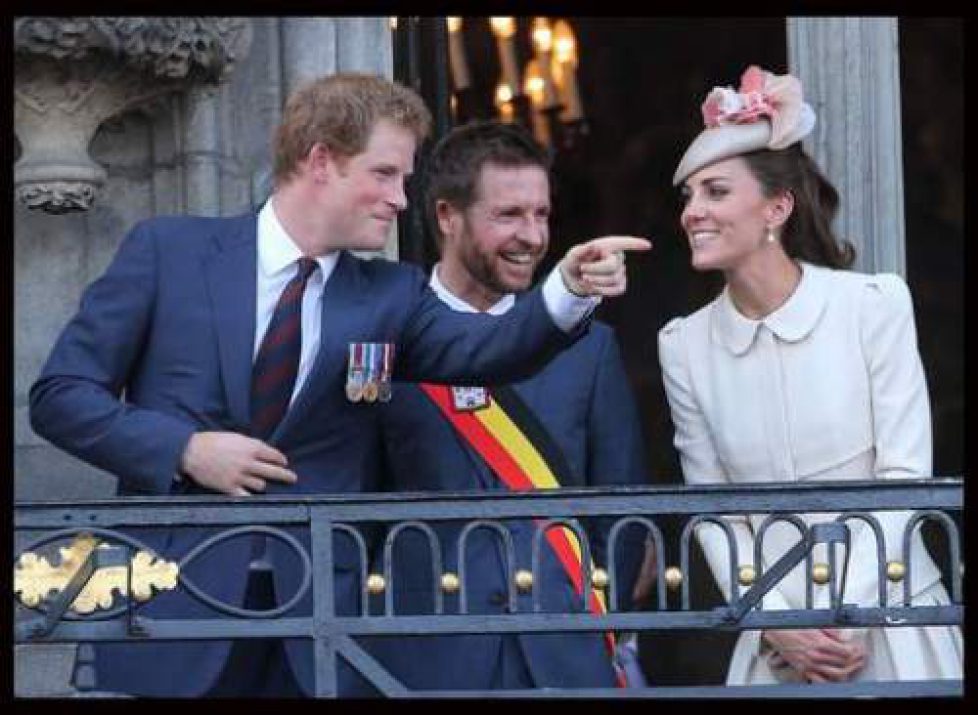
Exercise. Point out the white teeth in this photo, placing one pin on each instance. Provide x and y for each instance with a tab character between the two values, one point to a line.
701	238
521	258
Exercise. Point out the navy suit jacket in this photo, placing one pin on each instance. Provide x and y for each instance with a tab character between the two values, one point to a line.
583	399
161	347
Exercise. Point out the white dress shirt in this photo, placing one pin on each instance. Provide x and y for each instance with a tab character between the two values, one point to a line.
566	309
278	257
455	303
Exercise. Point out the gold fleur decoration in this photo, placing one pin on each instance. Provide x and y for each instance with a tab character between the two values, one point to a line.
35	578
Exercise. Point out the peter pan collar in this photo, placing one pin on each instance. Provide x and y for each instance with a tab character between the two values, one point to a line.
791	322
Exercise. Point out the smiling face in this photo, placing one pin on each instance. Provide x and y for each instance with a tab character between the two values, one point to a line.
364	193
726	216
494	246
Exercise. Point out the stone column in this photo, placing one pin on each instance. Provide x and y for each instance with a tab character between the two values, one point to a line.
308	49
202	152
849	67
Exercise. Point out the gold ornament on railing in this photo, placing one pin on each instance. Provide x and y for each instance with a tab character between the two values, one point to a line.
746	575
35	578
449	582
674	577
599	578
895	571
376	584
821	573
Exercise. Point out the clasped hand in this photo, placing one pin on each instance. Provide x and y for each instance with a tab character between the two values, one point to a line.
820	655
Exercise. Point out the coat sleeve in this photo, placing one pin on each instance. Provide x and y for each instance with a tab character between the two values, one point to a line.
77	402
615	455
901	429
445	346
701	463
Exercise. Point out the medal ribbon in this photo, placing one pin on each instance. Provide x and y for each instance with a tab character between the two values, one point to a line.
518	463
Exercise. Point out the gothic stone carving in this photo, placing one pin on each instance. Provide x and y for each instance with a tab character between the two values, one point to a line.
72	74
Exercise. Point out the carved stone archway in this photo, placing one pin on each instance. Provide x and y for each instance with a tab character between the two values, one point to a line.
72	74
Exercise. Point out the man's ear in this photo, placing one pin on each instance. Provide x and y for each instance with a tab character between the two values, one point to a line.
320	161
449	218
780	208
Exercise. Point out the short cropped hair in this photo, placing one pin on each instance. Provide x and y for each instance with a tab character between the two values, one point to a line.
456	162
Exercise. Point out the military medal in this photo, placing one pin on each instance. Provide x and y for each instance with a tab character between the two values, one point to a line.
354	373
469	399
370	389
370	392
384	389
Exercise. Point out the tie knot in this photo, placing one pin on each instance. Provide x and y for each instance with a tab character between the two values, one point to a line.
306	267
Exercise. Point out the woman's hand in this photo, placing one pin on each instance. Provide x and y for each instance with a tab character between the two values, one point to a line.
820	655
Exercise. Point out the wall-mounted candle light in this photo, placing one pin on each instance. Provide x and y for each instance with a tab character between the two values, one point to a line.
456	54
504	103
565	71
545	91
533	87
504	28
542	37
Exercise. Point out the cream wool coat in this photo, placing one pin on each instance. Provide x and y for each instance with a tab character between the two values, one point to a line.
828	387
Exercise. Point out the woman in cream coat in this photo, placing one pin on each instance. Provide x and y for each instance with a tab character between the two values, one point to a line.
797	371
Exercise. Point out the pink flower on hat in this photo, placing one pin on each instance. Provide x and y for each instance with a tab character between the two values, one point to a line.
761	95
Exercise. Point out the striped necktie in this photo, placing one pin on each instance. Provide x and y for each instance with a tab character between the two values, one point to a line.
273	375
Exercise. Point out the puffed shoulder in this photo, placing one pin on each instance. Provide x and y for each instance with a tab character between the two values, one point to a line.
671	342
673	326
886	293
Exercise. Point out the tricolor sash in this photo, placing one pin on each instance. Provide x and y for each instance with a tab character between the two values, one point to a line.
517	447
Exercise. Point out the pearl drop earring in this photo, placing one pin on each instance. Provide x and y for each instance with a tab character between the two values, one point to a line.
771	238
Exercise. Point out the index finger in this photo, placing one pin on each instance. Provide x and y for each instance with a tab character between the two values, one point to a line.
271	471
267	453
620	243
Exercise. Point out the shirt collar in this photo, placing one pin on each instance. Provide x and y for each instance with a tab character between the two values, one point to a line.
455	303
276	249
793	321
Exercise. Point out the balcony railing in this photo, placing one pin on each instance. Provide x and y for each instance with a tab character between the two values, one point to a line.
51	618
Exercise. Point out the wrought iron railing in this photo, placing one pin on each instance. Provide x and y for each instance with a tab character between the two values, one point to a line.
50	592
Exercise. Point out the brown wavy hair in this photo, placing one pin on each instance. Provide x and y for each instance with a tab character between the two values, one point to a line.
340	111
807	234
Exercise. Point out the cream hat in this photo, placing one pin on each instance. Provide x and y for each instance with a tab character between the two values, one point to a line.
767	112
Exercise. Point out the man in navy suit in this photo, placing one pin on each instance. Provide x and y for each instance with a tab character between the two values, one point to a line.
487	201
151	379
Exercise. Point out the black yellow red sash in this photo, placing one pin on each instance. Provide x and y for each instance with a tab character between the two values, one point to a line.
511	440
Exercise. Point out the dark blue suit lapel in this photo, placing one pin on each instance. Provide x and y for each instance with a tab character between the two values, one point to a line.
345	319
231	275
